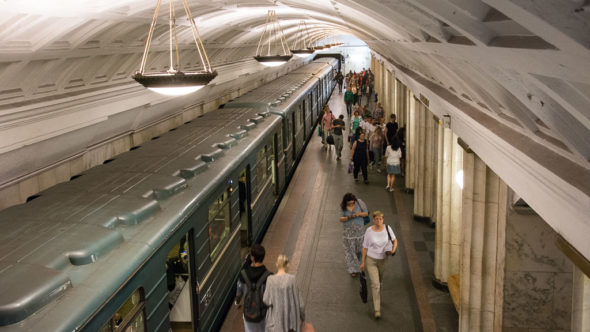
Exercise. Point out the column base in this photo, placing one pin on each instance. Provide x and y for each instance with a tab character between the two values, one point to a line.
436	283
422	219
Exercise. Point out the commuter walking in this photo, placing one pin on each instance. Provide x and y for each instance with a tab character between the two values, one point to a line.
326	124
251	287
351	215
393	155
391	129
360	157
376	145
348	99
286	311
339	79
356	121
378	242
337	128
378	113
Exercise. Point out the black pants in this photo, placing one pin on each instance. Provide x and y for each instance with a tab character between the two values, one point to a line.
360	165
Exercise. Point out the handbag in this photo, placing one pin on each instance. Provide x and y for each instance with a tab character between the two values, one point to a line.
363	206
330	139
363	292
351	167
389	252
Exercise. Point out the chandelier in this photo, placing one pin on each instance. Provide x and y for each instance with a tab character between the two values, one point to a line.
300	46
272	31
175	82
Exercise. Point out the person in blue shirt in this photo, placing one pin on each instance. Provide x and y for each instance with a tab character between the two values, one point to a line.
351	216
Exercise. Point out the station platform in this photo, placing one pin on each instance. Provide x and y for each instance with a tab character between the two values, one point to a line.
306	228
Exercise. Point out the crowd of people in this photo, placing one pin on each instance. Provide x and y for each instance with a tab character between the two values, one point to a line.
271	302
376	142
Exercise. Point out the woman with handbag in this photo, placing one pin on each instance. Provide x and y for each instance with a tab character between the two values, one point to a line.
351	217
379	241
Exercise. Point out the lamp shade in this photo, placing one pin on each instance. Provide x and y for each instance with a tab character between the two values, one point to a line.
273	60
178	83
303	52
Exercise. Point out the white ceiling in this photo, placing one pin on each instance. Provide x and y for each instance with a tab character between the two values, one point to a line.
524	62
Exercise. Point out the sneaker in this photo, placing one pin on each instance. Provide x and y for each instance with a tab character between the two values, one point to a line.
356	180
391	190
386	187
378	170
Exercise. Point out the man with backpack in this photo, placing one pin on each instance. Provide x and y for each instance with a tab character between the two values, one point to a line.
251	285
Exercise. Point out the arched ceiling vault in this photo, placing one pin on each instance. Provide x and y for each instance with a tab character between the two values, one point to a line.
526	63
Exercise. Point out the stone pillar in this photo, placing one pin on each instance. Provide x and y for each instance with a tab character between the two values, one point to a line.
482	262
449	207
411	143
581	302
424	193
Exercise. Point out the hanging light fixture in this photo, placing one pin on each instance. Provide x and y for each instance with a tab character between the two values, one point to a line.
271	27
175	82
300	47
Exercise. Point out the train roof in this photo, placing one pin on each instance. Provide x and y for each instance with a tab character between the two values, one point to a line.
64	253
281	93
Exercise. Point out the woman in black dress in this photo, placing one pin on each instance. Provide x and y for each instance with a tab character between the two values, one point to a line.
360	157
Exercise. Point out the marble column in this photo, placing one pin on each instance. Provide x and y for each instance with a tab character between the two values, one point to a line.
411	144
424	193
581	302
448	207
482	262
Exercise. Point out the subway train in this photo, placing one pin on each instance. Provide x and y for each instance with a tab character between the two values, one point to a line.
153	239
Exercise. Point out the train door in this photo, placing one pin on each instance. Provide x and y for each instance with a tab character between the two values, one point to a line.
245	212
275	166
182	286
303	110
293	135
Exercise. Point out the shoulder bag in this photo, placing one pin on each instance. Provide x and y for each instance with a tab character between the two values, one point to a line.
389	252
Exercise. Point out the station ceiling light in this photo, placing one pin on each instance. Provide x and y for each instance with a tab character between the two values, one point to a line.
300	46
175	82
272	48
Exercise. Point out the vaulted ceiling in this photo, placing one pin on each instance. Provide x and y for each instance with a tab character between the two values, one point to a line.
526	63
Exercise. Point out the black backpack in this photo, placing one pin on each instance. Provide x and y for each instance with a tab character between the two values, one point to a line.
254	308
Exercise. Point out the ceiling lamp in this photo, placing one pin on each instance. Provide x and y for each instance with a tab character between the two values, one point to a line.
272	31
175	82
300	47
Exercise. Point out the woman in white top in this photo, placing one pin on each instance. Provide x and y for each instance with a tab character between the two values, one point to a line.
393	153
376	245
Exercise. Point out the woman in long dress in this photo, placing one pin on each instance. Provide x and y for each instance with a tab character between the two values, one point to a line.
286	311
351	216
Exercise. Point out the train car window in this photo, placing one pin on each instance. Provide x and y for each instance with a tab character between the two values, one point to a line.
130	317
219	223
261	169
270	163
288	134
280	139
300	117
